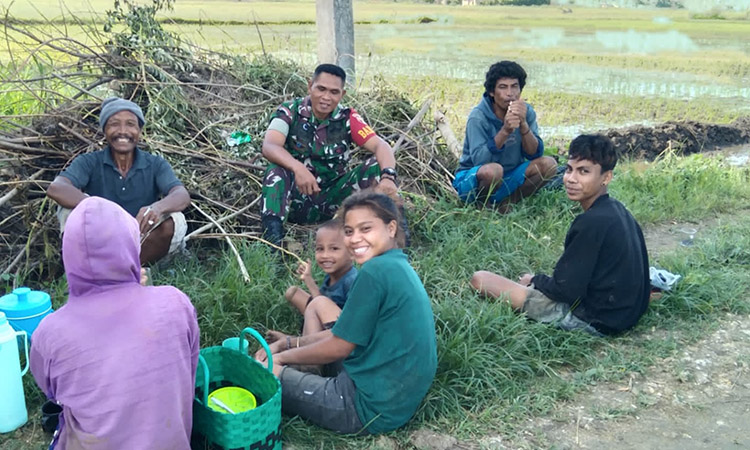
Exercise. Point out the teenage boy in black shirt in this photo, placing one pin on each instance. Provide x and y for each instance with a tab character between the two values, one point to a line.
601	282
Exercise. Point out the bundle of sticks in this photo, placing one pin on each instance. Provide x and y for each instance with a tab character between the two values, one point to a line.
193	98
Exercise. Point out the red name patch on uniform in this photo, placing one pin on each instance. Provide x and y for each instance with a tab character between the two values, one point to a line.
361	132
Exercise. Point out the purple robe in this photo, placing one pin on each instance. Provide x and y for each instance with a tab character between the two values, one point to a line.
118	356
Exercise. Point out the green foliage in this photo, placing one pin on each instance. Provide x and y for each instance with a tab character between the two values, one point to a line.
712	15
682	187
144	37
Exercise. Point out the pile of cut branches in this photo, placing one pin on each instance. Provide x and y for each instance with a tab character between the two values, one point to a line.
193	99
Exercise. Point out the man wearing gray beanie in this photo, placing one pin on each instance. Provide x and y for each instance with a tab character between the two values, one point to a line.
141	183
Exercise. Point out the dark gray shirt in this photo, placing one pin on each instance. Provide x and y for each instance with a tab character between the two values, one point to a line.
150	178
339	291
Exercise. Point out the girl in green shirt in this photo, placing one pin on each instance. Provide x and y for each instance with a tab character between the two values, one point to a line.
385	335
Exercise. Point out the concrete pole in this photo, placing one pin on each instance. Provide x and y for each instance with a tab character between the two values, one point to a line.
335	23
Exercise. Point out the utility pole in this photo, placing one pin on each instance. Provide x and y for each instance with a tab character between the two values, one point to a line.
335	22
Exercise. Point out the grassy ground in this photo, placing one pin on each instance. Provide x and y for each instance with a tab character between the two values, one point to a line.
495	368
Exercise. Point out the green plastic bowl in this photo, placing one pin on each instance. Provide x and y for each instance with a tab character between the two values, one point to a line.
237	399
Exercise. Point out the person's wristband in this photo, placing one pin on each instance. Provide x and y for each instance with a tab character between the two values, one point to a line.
297	341
527	132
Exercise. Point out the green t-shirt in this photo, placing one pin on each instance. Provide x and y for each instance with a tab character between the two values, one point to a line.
389	317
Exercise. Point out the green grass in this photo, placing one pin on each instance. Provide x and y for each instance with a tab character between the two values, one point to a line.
496	370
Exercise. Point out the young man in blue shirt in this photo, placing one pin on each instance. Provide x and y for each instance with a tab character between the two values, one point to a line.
502	158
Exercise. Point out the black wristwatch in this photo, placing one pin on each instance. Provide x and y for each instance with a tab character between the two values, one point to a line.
391	172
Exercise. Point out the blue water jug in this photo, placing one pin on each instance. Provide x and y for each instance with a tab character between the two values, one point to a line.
13	412
25	308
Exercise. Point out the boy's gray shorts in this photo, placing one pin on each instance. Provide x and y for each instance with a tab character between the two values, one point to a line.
325	401
542	309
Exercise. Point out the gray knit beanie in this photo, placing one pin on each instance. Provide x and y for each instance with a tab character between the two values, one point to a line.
113	105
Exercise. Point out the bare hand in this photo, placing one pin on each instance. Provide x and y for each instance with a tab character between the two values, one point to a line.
144	277
276	347
273	336
148	217
304	270
278	364
306	182
511	122
525	279
387	187
518	108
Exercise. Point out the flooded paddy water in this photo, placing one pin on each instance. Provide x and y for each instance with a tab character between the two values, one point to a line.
589	68
665	61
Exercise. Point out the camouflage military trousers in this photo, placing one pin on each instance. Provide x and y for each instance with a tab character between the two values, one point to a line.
282	199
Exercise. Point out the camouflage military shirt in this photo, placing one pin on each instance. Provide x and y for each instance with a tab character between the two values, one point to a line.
324	147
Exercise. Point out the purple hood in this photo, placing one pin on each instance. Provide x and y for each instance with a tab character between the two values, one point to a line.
101	247
119	357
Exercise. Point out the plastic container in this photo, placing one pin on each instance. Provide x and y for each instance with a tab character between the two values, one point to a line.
13	412
234	344
238	400
25	308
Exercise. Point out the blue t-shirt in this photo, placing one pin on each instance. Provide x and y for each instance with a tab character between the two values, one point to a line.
339	291
150	178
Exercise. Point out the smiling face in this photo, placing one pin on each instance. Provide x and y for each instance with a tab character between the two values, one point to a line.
325	92
506	90
122	132
585	182
330	252
367	235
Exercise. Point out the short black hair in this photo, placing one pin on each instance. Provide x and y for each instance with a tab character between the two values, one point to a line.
504	69
333	224
332	69
597	148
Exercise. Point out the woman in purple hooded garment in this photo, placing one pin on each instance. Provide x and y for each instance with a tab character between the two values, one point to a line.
119	357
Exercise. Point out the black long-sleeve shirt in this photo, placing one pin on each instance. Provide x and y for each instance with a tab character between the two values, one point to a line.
604	268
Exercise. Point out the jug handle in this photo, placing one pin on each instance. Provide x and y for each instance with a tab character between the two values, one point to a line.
260	339
26	349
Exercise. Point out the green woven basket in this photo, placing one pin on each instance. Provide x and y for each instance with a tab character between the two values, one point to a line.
256	429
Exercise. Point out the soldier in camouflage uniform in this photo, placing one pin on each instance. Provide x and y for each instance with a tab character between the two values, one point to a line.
309	143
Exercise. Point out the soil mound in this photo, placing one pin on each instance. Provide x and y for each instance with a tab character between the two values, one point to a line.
682	137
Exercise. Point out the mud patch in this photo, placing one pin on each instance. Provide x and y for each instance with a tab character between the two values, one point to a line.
682	137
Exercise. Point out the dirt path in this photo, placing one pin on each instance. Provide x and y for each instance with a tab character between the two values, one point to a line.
698	399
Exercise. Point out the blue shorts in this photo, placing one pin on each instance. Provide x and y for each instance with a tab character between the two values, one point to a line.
466	183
